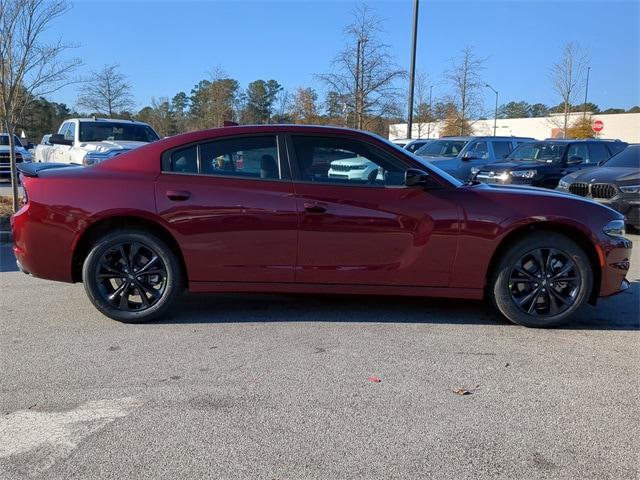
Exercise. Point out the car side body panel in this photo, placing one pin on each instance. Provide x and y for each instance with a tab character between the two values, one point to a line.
231	229
257	235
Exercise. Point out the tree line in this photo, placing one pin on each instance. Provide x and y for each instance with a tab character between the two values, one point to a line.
364	86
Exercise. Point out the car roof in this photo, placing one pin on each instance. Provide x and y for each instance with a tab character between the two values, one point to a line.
110	120
486	137
577	140
146	158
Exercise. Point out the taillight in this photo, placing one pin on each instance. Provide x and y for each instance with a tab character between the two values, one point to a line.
25	197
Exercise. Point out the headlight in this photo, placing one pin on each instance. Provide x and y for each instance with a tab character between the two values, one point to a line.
614	228
562	185
524	173
96	157
359	167
631	189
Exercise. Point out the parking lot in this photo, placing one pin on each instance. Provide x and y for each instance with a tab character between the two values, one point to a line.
278	386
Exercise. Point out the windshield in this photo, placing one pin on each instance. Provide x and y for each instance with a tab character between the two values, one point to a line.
442	148
630	157
537	152
4	141
101	131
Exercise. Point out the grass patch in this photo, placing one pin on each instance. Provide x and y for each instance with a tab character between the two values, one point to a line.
6	207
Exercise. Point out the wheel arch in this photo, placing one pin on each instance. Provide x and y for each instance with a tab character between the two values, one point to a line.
570	231
106	224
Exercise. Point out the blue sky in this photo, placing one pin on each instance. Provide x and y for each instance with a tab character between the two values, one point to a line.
168	46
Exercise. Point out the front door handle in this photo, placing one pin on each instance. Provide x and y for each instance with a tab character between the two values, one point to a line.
178	195
314	208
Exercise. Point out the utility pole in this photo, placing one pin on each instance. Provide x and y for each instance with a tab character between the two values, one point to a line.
586	91
412	74
430	113
495	114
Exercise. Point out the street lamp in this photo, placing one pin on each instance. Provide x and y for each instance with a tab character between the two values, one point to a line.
495	116
430	113
586	91
412	74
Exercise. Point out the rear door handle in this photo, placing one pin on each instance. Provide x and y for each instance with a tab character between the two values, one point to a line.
314	208
178	195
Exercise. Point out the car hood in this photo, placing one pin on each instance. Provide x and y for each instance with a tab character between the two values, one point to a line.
504	166
110	145
620	175
438	159
349	162
21	150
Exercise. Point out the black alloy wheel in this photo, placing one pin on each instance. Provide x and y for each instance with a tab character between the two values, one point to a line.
541	280
544	282
132	276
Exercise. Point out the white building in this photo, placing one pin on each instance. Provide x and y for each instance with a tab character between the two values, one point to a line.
623	126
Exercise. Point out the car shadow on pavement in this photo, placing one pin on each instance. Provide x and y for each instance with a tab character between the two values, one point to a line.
621	312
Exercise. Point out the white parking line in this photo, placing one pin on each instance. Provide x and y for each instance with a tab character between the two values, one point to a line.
51	436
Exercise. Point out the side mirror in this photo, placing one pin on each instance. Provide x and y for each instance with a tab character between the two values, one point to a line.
58	139
469	156
414	177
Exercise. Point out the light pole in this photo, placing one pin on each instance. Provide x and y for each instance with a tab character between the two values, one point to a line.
586	91
495	115
412	73
430	113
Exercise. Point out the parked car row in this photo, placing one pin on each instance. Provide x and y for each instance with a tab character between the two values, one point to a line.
551	164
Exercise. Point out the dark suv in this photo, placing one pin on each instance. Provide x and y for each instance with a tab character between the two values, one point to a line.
458	155
543	164
615	184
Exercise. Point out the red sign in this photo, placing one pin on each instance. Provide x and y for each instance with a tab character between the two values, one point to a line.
597	126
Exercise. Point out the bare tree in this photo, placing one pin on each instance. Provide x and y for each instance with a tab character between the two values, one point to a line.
29	67
106	92
422	103
364	73
568	77
466	84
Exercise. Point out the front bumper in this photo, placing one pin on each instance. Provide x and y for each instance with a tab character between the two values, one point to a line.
614	255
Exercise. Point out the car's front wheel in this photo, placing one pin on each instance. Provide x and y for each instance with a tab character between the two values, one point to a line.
131	276
541	280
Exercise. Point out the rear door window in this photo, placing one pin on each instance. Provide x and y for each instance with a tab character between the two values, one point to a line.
501	149
578	151
598	152
251	157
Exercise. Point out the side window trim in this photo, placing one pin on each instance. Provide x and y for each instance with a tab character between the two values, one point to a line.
283	163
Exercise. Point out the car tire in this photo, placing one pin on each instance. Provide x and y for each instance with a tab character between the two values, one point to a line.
135	263
529	287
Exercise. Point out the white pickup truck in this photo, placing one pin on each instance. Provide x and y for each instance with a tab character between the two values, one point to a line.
85	141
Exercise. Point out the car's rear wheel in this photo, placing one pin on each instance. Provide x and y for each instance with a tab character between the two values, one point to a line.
131	276
541	280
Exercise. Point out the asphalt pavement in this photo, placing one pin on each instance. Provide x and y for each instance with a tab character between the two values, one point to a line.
285	386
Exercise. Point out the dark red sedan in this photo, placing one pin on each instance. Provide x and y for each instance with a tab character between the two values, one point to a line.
309	209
